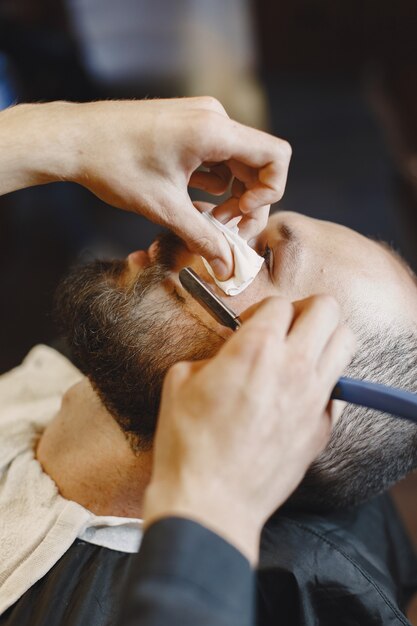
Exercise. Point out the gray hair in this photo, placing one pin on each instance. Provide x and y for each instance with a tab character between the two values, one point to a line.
125	340
368	451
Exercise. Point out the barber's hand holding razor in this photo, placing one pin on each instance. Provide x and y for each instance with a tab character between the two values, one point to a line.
142	155
237	433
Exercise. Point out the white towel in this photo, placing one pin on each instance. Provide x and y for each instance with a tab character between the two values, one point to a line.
247	261
38	525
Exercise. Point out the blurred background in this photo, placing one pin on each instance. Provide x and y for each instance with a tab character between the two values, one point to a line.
337	79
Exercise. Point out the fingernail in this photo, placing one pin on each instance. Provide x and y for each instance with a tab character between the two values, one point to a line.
219	267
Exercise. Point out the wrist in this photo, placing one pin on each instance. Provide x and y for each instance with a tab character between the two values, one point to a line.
232	522
39	143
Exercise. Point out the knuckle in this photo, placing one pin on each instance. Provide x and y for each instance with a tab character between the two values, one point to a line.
274	180
277	301
260	341
177	372
327	303
286	149
206	124
280	192
269	312
280	306
211	102
276	191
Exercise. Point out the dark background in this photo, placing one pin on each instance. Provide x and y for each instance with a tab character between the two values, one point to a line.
340	83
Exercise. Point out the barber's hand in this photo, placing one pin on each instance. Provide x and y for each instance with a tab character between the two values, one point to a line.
237	433
142	155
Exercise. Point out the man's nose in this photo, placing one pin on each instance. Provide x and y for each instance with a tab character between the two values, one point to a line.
138	260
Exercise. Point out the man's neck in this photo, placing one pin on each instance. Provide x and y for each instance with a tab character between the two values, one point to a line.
84	451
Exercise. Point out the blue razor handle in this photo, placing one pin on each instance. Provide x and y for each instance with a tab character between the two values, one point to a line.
376	396
391	400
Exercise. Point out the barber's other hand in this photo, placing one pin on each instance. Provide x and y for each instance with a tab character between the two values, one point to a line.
237	433
142	155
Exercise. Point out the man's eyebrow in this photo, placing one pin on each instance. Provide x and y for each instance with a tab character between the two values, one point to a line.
286	232
294	247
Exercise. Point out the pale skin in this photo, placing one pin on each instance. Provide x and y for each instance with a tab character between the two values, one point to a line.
370	284
141	156
229	475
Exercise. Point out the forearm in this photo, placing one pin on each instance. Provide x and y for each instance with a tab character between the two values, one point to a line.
38	144
142	156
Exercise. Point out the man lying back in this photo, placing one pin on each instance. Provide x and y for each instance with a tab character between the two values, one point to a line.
128	321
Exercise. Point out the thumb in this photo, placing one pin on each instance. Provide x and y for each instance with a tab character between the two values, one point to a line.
281	309
202	238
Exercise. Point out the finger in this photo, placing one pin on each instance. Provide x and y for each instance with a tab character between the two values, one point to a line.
227	210
247	175
264	189
222	171
254	198
230	208
203	207
256	149
250	354
179	373
207	181
265	327
337	354
201	237
267	188
315	321
238	188
248	188
196	366
262	313
216	181
176	375
252	225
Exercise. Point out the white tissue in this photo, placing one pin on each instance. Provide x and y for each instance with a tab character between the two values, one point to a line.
247	261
